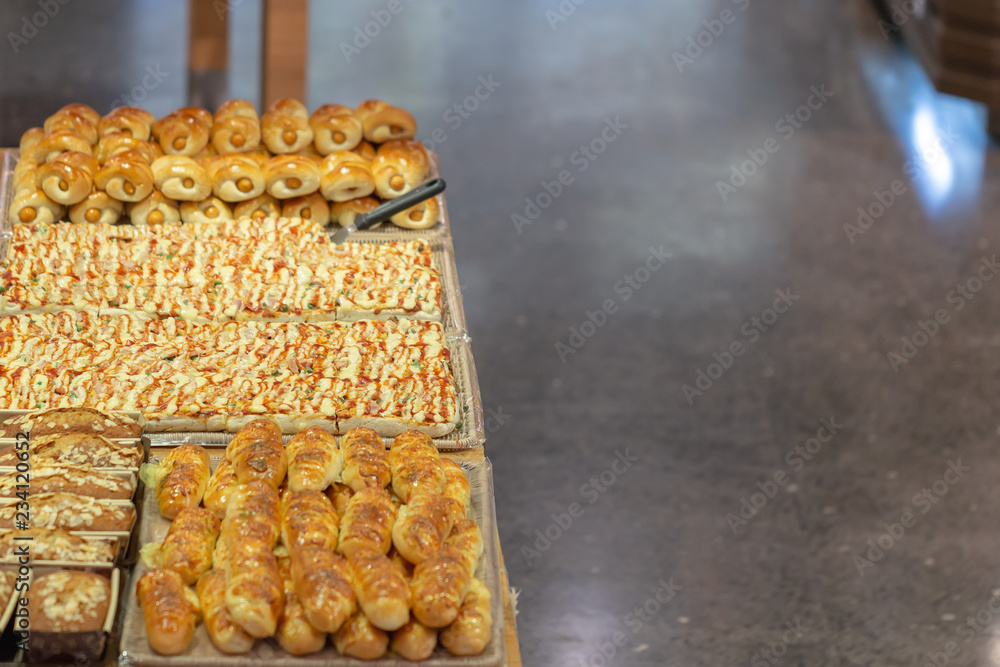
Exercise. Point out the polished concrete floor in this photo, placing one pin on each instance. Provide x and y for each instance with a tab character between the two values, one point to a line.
743	362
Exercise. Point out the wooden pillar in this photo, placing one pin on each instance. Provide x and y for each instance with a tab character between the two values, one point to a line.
285	36
208	52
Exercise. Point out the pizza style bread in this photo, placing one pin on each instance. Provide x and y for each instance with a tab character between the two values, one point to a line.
68	479
68	601
72	420
49	544
78	449
69	511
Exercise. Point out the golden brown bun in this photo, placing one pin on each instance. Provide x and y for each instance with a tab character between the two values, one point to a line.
365	150
366	463
457	490
119	142
61	421
131	120
127	177
68	601
288	176
156	209
322	581
255	592
220	486
421	527
340	495
383	122
368	522
416	466
345	175
183	132
235	178
285	127
34	206
308	519
54	143
261	206
25	181
70	479
414	641
294	634
227	636
187	548
81	110
236	108
181	178
383	594
424	215
28	140
67	179
210	209
335	128
314	460
170	610
181	478
359	638
399	166
235	134
310	207
470	632
440	583
97	207
257	453
71	121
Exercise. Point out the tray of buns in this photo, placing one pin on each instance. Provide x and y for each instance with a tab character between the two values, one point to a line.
306	541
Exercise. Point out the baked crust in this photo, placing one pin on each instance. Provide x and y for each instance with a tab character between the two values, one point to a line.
68	601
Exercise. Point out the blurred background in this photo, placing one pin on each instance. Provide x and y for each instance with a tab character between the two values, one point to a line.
726	267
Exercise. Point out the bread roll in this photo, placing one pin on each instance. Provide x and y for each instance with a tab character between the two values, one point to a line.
414	641
51	544
29	140
383	593
314	460
359	638
366	463
253	519
311	207
120	142
424	215
285	127
235	178
98	208
78	449
68	178
180	479
322	581
470	632
74	122
257	452
69	479
126	176
261	206
440	583
235	134
288	176
60	141
220	486
255	592
70	511
227	636
294	634
170	610
308	519
335	128
155	209
422	526
241	108
399	166
34	206
188	546
367	522
340	495
345	176
82	110
68	601
383	122
210	209
365	150
130	120
416	466
183	132
24	174
346	212
181	178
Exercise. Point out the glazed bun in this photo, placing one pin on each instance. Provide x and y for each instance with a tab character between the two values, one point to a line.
382	122
180	178
335	128
97	207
